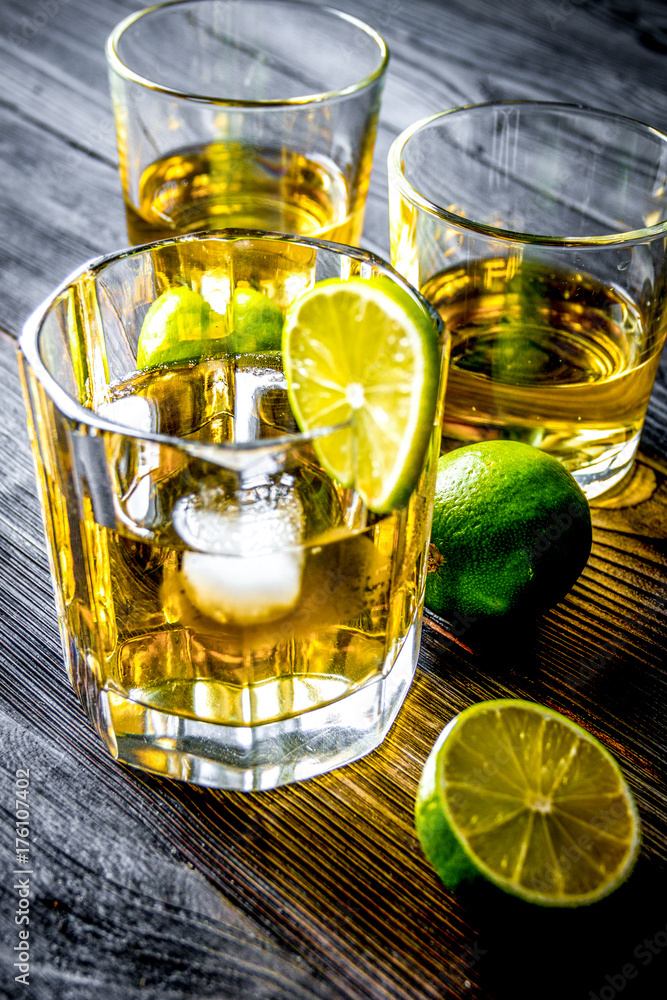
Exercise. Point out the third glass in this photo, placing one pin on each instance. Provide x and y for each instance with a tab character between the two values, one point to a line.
259	115
538	232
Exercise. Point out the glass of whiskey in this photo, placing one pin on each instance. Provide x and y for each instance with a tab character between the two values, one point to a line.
259	115
537	231
230	614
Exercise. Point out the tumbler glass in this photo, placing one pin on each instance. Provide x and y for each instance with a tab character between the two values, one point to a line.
259	114
230	615
538	232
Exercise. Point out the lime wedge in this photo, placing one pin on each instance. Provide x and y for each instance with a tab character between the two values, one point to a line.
520	795
257	322
180	326
362	352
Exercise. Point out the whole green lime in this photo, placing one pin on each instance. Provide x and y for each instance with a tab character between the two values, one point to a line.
511	532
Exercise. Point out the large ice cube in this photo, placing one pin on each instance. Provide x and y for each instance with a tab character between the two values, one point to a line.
244	559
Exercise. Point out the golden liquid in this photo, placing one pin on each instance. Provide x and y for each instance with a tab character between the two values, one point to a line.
359	588
537	355
228	185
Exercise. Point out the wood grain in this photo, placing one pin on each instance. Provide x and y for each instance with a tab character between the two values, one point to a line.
320	890
145	888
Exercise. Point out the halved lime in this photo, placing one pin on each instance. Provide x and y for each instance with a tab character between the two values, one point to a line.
524	797
362	351
180	326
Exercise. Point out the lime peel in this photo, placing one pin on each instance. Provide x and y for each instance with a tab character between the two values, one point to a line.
180	325
256	322
511	532
362	354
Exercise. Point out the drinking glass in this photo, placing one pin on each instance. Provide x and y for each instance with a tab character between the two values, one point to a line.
230	615
259	114
538	231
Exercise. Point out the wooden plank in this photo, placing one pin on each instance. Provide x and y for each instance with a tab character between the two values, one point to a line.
146	888
328	871
48	220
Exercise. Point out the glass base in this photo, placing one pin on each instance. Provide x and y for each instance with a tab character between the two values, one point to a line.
595	478
601	476
254	758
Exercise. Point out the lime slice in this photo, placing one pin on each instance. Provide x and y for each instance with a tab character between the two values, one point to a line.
362	352
522	796
257	322
180	326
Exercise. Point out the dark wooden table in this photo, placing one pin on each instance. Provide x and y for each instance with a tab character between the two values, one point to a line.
146	888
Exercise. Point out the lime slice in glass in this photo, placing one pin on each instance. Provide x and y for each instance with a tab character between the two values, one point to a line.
362	352
180	326
524	797
256	322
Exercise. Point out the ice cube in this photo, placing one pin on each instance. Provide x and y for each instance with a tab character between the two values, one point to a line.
244	562
216	288
243	590
134	412
137	413
256	377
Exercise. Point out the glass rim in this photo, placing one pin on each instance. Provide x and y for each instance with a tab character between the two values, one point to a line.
73	410
123	70
412	195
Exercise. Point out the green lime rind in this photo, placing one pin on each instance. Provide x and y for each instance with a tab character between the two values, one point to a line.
187	351
180	325
365	340
438	841
416	449
511	532
256	322
446	846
